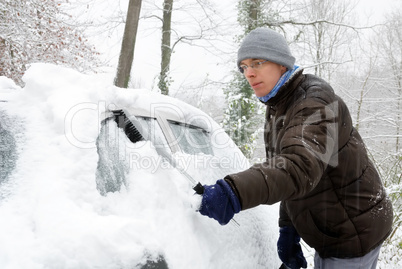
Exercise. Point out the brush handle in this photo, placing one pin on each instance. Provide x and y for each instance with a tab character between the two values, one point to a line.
199	189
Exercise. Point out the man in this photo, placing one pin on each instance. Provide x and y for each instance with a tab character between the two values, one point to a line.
317	166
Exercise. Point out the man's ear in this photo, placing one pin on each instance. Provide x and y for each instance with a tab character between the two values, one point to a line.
283	69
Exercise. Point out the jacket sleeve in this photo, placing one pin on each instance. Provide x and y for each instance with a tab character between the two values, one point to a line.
284	219
304	150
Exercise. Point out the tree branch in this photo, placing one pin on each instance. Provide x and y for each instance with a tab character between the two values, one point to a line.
279	23
152	16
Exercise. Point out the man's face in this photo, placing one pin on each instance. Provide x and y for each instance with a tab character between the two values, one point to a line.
263	77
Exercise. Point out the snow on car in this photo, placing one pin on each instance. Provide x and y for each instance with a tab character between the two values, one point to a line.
78	190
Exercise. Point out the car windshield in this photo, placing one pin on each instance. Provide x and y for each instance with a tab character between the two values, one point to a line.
153	129
191	139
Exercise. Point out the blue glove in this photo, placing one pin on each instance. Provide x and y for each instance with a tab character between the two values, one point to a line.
219	202
289	249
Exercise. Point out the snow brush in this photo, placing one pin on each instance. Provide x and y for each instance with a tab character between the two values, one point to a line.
135	132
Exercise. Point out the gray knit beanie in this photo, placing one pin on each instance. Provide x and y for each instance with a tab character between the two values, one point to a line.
266	44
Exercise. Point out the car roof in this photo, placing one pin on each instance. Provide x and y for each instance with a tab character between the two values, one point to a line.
150	104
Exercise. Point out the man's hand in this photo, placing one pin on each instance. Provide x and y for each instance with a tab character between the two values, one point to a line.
289	249
219	202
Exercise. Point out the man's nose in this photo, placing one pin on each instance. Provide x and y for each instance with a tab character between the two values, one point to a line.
249	72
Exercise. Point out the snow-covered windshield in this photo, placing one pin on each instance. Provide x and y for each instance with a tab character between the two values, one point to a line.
154	130
191	139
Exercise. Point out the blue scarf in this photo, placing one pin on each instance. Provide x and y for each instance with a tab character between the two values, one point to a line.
279	84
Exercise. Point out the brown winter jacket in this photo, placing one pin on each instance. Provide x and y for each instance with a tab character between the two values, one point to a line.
317	165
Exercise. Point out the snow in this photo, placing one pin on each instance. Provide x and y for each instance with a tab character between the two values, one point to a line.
53	216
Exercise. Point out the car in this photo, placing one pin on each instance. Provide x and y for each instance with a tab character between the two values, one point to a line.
103	177
187	140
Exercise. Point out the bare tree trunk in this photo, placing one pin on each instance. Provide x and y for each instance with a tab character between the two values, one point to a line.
165	47
128	44
253	13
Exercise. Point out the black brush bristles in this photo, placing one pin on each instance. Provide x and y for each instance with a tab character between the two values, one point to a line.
129	129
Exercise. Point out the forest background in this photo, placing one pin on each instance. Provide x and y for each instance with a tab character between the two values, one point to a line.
187	49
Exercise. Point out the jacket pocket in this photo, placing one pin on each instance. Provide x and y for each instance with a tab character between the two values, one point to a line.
343	246
311	234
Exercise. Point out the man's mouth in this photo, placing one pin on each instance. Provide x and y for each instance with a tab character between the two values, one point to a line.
255	84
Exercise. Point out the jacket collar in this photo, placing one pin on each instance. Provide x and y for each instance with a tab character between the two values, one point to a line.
287	88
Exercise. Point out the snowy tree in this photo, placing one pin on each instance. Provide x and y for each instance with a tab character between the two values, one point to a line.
326	41
243	116
392	52
37	31
390	159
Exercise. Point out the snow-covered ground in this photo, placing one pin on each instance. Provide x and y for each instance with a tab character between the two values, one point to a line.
53	216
